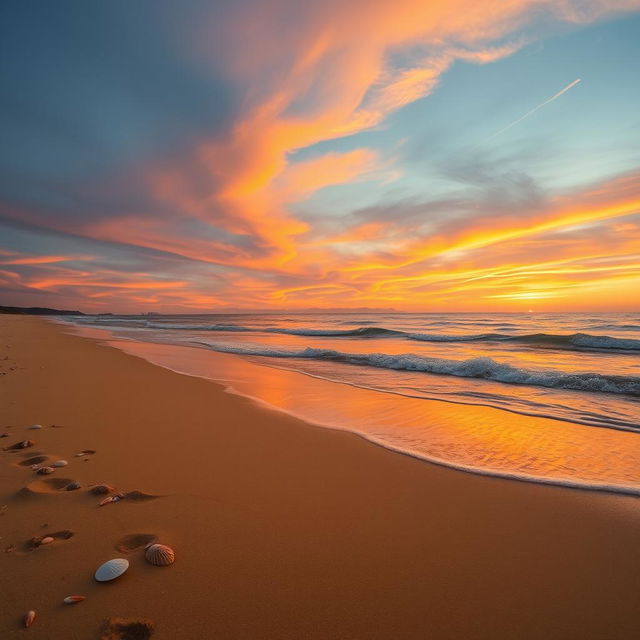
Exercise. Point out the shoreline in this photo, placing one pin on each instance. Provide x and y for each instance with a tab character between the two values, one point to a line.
283	529
154	353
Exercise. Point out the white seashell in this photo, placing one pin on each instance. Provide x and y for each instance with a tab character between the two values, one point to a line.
29	618
46	540
160	554
107	500
44	471
35	426
73	599
35	467
111	570
59	463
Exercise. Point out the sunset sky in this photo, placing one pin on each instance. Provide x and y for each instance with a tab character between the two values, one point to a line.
222	155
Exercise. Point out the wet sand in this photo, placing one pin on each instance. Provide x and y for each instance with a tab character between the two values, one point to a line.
281	529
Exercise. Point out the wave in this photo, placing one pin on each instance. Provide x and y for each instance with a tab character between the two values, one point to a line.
484	368
575	341
616	327
360	332
200	327
570	341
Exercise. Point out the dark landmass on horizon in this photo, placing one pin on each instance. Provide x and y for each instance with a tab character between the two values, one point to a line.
40	311
46	311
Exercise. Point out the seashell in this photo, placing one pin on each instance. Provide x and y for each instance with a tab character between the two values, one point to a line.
85	452
111	570
73	599
46	540
35	426
160	554
101	489
29	617
20	445
34	467
59	463
45	471
107	500
72	486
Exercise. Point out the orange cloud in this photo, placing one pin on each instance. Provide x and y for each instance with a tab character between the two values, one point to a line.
303	178
12	257
328	77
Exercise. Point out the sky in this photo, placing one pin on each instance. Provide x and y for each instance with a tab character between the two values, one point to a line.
193	157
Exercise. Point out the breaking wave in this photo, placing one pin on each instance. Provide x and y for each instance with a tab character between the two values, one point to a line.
570	341
484	368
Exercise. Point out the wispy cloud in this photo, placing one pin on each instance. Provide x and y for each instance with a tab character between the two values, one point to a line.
537	108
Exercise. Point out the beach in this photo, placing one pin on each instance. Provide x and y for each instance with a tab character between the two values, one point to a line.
282	529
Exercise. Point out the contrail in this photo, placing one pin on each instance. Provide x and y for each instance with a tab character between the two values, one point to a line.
542	104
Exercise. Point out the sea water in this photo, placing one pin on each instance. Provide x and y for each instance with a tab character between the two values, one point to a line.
562	391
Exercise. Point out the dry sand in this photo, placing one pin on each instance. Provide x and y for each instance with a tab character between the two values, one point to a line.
281	529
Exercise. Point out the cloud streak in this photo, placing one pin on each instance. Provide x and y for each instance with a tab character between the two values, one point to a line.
555	96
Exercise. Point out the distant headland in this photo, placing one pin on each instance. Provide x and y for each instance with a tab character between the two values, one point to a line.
40	311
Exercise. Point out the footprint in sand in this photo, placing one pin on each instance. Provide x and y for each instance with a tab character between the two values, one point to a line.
118	629
140	496
46	540
131	496
44	486
135	542
36	459
23	444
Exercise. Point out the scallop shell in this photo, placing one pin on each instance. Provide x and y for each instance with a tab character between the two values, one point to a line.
73	599
72	486
160	554
59	463
111	570
44	471
46	540
101	489
29	617
114	498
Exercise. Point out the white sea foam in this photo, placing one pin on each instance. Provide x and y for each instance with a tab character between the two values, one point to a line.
484	367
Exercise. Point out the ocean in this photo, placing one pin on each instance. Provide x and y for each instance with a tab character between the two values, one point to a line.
551	398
